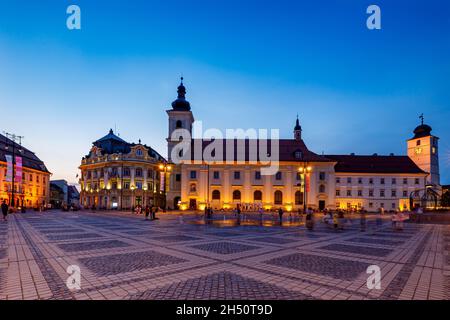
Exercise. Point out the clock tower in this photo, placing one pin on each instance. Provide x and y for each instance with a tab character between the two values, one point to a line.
423	150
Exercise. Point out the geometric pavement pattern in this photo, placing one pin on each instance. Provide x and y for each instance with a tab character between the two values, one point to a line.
180	256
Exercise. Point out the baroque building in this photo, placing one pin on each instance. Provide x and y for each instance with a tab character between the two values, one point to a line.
304	178
32	190
121	175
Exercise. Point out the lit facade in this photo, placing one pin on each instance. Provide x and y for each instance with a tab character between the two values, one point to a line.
120	175
350	182
34	189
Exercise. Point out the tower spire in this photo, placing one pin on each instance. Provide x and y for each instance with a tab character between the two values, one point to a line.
297	130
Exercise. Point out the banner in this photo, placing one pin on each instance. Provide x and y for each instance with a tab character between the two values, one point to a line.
307	183
9	168
18	177
162	181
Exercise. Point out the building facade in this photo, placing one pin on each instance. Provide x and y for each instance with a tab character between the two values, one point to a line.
304	178
120	175
33	191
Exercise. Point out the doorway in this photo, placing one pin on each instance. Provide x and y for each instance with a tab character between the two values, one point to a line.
321	205
193	204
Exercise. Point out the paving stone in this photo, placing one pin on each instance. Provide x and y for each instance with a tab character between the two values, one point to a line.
324	266
128	262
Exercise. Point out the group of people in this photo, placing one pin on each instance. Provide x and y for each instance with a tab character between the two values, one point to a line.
149	211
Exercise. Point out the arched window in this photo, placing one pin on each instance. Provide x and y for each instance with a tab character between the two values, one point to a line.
257	195
236	195
216	195
278	197
321	188
298	197
179	124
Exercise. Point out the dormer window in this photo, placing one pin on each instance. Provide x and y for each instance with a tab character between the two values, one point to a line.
298	154
139	152
418	143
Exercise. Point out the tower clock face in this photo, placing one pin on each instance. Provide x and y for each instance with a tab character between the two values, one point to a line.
418	150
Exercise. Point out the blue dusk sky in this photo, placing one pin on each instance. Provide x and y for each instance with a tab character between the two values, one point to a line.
246	64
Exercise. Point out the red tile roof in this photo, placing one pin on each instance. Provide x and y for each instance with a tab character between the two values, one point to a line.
374	164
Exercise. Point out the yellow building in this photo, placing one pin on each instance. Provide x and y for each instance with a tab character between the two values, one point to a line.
121	175
34	189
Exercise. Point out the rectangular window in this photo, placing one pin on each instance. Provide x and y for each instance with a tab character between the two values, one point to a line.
322	176
370	205
382	193
349	193
394	181
382	181
349	180
278	175
338	193
178	177
417	181
193	174
360	180
371	193
216	175
237	175
405	180
360	193
338	180
405	194
393	206
382	205
371	181
257	175
126	185
393	193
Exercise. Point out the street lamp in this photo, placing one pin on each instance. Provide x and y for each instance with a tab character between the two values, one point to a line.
145	195
304	170
132	196
165	167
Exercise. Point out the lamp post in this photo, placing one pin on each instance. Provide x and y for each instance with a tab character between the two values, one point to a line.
304	169
145	195
165	167
132	196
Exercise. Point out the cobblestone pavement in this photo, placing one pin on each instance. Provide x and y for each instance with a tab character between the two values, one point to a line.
122	256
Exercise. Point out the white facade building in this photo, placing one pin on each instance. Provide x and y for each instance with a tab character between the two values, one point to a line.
304	179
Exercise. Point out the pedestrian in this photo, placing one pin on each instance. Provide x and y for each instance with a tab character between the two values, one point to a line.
5	209
309	221
280	214
335	221
362	221
379	221
147	212
341	220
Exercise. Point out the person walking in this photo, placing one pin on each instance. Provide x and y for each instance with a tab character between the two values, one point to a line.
5	209
147	212
362	221
280	214
335	221
309	221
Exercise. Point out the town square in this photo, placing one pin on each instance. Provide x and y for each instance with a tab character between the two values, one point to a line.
184	257
206	152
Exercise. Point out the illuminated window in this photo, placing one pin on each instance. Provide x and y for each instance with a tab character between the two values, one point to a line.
216	195
278	195
257	195
236	195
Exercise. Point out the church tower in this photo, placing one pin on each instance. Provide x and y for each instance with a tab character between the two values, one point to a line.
423	150
297	130
180	117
